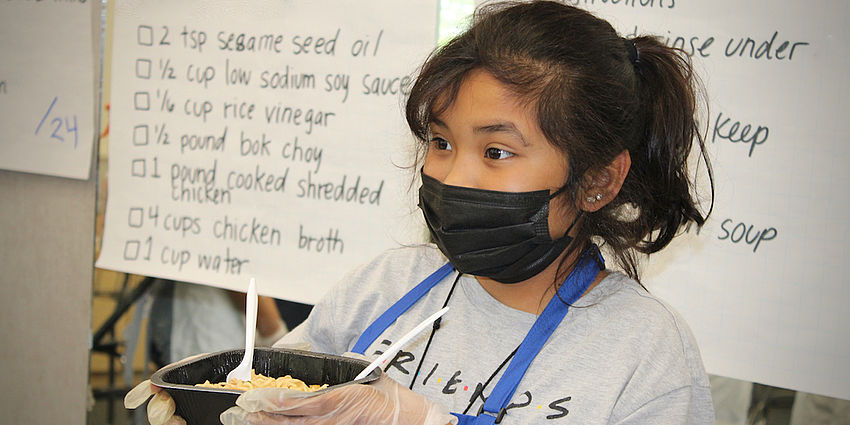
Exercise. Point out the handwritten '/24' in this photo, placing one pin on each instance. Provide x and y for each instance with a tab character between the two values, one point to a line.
59	128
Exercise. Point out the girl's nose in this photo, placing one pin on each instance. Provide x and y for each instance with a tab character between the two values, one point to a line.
461	173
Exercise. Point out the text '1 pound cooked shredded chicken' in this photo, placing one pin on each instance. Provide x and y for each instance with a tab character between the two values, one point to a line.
260	381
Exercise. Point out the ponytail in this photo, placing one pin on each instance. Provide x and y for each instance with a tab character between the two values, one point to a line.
668	91
659	186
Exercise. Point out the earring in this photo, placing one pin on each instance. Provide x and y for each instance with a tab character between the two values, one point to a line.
598	197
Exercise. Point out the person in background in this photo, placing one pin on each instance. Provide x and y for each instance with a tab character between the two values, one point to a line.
544	134
187	319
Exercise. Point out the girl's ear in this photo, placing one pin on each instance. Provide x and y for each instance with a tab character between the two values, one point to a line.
603	185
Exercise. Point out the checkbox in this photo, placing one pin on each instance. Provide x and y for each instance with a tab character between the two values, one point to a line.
145	35
131	250
140	135
142	101
134	219
143	68
138	168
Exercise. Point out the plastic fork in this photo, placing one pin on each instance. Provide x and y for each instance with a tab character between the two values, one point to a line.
242	372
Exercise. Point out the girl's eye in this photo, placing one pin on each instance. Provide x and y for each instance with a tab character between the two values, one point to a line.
441	144
496	153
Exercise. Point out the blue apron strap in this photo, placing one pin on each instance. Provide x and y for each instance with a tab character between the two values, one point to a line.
389	317
464	419
493	409
570	291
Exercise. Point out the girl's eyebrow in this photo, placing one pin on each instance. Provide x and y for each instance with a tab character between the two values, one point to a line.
438	122
502	127
498	127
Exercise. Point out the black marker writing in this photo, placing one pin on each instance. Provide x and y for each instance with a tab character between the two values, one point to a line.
254	232
433	369
244	42
764	49
400	358
735	132
330	244
200	142
235	75
287	79
451	384
527	401
556	405
749	234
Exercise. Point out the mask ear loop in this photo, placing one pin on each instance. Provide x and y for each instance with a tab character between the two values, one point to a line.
578	217
554	194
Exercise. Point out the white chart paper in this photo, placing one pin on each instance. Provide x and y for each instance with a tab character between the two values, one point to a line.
261	139
47	86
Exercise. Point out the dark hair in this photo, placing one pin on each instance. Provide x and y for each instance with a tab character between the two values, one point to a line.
595	95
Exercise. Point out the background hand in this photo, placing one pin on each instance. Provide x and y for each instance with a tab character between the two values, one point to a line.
161	407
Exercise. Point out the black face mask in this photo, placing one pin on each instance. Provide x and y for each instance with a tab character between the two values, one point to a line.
500	235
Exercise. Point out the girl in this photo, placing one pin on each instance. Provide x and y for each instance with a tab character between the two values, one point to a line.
543	134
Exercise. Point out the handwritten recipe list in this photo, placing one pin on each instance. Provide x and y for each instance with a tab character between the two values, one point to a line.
250	149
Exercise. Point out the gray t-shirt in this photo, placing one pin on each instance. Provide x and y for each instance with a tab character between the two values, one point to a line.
620	356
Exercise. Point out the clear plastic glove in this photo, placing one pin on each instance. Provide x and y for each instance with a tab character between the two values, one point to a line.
161	407
383	402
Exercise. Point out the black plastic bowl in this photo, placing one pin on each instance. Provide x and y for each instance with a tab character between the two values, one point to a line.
202	406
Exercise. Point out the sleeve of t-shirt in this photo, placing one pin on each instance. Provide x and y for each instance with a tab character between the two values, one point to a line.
680	406
670	408
668	384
